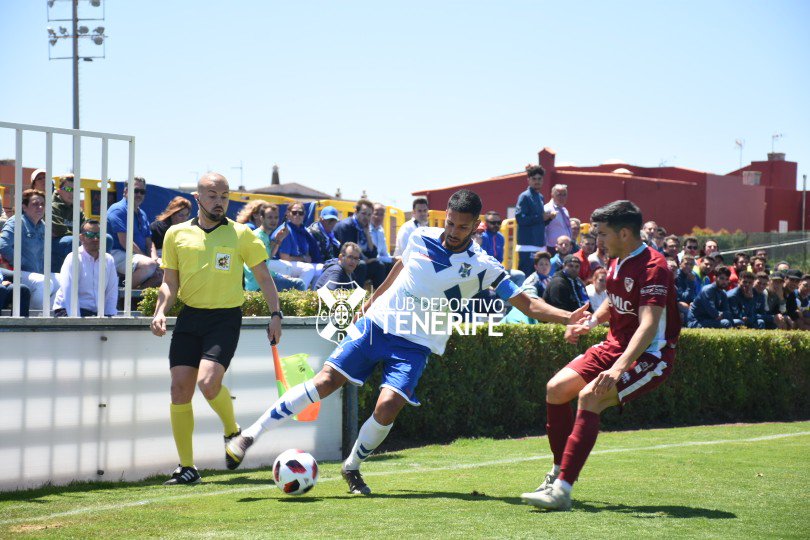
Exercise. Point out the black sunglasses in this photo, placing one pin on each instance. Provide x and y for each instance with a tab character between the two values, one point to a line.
296	212
140	191
494	222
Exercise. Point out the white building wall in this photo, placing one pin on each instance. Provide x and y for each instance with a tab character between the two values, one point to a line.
79	401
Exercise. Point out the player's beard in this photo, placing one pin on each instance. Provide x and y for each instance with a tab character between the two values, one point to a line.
462	245
215	216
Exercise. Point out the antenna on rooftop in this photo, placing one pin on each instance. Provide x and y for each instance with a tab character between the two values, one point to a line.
740	143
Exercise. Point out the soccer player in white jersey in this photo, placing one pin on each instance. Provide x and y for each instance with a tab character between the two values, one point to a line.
437	265
636	357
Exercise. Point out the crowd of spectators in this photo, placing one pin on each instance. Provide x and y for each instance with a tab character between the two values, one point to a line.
557	261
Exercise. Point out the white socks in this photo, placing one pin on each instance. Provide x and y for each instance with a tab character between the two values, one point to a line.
371	435
563	485
555	470
294	400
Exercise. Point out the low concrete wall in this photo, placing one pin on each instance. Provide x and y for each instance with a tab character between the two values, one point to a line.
88	399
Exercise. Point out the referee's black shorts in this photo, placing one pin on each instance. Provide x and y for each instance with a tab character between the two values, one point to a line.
209	334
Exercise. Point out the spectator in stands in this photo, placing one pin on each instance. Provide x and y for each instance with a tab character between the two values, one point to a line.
803	303
704	272
538	280
690	246
145	271
277	267
492	242
531	217
560	222
38	180
599	258
742	303
561	250
178	211
357	229
298	249
419	218
776	304
597	290
62	224
758	264
338	273
587	249
761	296
32	263
323	233
710	308
378	235
792	280
650	230
89	275
672	264
576	229
660	235
709	247
686	286
251	213
672	246
565	290
782	266
478	234
7	292
3	216
740	266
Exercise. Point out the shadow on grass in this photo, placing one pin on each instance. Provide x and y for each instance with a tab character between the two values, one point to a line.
654	512
397	494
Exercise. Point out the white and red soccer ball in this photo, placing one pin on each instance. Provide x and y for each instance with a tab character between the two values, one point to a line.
295	472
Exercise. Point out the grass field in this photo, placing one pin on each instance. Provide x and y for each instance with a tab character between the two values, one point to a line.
732	481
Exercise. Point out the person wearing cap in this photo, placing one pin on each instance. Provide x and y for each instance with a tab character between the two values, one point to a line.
62	221
565	288
321	230
775	301
803	303
38	180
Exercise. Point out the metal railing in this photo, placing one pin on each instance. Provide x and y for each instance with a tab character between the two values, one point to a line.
77	136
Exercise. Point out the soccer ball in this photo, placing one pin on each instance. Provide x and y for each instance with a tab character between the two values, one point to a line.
295	472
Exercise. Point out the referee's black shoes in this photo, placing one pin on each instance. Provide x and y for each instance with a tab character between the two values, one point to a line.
183	476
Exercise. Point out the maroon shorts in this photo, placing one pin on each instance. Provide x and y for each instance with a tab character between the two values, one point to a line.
645	374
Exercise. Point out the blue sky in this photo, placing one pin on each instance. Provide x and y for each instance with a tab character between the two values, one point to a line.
392	97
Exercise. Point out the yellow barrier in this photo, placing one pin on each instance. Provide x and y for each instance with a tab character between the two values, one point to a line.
241	196
509	232
394	217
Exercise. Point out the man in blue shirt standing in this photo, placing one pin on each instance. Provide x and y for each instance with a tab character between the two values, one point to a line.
145	272
357	229
531	220
492	242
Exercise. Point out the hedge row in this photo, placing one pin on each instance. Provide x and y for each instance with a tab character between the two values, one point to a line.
495	386
293	303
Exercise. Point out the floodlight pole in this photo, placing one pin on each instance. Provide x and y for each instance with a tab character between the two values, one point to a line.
804	204
75	63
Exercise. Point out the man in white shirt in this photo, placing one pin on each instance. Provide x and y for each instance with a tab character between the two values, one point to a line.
419	219
439	269
560	224
377	230
89	275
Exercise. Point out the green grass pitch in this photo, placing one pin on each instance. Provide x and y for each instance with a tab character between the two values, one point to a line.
730	481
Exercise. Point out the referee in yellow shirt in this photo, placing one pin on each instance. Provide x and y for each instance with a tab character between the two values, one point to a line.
202	263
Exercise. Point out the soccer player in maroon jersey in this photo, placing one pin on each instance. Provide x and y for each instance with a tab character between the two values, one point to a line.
636	357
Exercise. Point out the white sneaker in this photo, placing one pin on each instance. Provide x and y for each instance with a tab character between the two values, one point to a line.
553	498
550	477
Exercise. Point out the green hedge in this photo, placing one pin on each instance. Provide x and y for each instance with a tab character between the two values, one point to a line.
293	303
495	386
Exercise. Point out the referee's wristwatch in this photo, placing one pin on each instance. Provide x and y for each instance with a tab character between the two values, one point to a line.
278	313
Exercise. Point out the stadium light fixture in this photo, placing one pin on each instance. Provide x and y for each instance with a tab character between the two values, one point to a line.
75	32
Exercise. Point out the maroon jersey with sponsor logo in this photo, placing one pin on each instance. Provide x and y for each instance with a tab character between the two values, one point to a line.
642	279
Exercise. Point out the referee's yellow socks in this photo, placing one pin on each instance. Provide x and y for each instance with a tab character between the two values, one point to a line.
183	427
223	406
